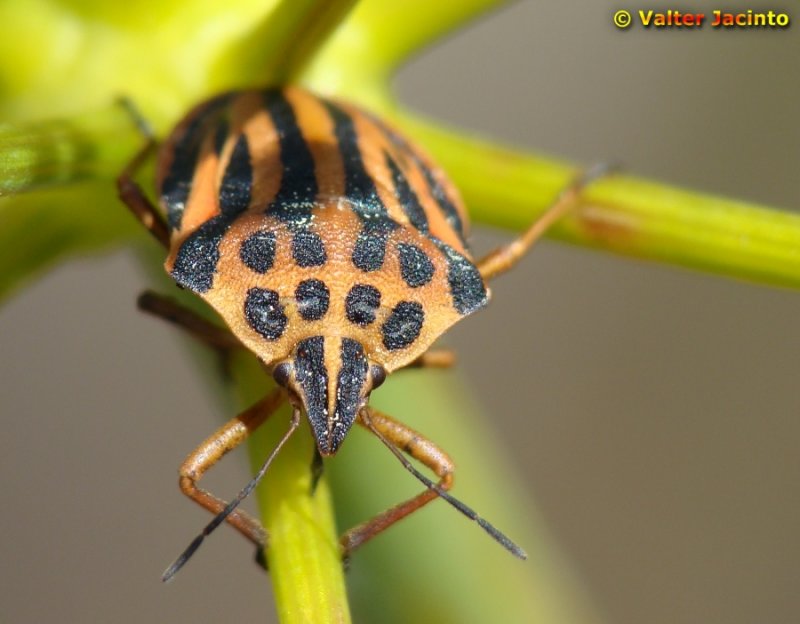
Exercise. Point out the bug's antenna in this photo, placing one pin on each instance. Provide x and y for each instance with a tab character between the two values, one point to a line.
172	570
470	513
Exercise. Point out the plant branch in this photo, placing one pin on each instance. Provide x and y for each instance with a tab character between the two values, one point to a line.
286	40
362	55
507	187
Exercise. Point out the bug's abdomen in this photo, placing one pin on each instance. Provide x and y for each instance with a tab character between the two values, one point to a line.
268	189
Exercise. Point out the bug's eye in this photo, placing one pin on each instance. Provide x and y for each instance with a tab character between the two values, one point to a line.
378	375
281	373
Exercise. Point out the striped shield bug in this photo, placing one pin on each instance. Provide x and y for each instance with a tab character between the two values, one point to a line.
332	248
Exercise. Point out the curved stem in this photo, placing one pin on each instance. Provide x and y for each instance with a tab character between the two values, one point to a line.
287	39
365	51
61	151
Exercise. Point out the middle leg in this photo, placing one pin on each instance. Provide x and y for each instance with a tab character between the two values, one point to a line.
188	320
434	358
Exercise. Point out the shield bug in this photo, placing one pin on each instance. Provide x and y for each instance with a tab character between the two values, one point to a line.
336	251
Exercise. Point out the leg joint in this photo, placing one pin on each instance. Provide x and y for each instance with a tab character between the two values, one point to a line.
187	484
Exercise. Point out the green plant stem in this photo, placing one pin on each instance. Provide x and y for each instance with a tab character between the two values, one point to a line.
507	187
47	153
437	567
303	555
286	40
502	186
363	54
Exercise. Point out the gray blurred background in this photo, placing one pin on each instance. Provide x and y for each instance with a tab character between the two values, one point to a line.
653	412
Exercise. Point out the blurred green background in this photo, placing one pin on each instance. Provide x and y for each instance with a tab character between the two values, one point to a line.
652	412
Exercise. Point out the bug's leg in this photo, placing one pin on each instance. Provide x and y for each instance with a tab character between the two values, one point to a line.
434	358
129	190
219	339
414	444
504	258
214	448
188	320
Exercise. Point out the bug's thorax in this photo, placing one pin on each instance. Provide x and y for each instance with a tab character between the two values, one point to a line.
330	379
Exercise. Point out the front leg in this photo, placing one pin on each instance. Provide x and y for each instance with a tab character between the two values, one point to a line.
399	439
209	453
414	444
214	448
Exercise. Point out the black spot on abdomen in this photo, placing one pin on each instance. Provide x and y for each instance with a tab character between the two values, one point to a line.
415	266
370	250
313	299
308	249
361	304
258	251
403	326
264	313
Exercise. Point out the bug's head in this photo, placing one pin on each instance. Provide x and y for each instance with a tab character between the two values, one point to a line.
330	378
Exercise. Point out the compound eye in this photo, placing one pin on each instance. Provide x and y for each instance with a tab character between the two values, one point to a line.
282	373
378	374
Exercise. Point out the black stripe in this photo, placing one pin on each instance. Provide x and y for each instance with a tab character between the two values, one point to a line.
177	183
237	182
298	191
197	258
221	135
359	186
360	190
407	198
349	390
467	288
447	207
312	381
